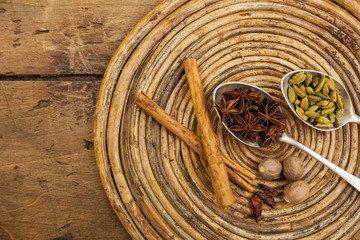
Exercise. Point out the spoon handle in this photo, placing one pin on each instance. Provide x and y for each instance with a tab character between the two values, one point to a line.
354	181
355	118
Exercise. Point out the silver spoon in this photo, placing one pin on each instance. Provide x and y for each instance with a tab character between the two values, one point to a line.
218	93
348	116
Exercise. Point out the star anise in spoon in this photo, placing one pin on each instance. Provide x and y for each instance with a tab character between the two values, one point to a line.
227	108
232	94
270	114
271	137
248	99
255	118
248	126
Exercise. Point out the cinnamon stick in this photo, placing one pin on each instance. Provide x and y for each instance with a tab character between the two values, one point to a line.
239	181
187	136
240	170
217	168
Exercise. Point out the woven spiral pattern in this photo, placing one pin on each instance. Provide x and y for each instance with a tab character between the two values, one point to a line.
158	187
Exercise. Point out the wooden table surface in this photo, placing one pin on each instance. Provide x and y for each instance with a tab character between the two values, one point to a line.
53	55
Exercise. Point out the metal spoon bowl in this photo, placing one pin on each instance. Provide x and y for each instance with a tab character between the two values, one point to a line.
348	116
217	95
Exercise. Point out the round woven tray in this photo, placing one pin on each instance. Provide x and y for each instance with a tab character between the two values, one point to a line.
157	186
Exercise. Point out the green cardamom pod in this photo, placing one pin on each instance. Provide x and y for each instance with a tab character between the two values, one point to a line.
328	111
298	78
339	102
322	120
313	108
312	114
322	103
308	79
304	103
302	88
331	83
297	102
309	90
315	81
325	90
324	125
314	98
333	96
291	94
320	84
299	92
332	117
329	105
336	123
323	96
301	113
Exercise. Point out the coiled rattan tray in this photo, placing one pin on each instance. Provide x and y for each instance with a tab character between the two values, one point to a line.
157	186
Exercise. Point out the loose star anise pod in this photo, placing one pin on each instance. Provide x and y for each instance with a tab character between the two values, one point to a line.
271	114
227	108
248	126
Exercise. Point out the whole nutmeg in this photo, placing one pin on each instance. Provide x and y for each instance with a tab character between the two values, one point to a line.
270	168
293	168
296	192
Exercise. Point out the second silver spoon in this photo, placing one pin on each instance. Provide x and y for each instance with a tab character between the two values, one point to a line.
349	114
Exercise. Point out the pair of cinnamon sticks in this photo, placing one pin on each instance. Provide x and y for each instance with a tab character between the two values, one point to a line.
221	167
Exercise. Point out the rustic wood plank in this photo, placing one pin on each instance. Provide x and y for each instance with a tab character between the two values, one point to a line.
50	186
72	37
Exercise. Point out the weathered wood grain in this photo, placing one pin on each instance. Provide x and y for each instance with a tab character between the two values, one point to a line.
72	37
57	37
50	186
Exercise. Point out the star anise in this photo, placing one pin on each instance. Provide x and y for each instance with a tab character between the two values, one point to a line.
271	137
232	94
271	114
248	98
271	129
253	109
248	126
227	108
255	118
